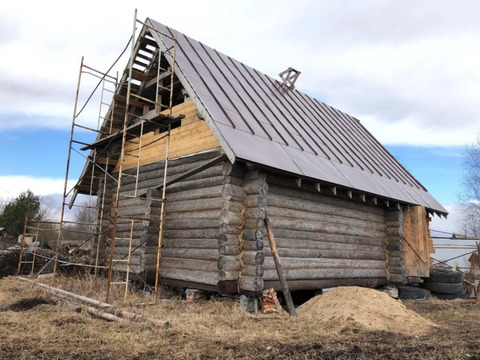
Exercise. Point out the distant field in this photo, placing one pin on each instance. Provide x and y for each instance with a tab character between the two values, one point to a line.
33	326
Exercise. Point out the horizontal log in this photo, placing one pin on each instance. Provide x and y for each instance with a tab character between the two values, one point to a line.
228	275
395	269
300	196
202	277
279	205
126	225
190	243
191	224
254	234
191	234
255	213
233	192
191	184
178	165
316	245
255	201
253	271
234	206
310	274
213	171
396	262
396	278
194	205
212	192
191	264
229	239
324	263
253	257
393	215
205	254
229	263
254	284
256	186
312	254
229	250
206	214
256	245
136	241
122	268
393	224
230	229
231	218
279	212
396	246
121	251
319	227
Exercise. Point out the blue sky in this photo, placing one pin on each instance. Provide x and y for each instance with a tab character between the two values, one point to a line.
407	69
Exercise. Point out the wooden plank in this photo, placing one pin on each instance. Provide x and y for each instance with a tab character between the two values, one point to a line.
415	247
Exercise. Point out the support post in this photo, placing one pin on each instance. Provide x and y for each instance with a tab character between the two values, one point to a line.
278	265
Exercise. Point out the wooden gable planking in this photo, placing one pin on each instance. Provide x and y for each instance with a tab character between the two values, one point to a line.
193	136
417	244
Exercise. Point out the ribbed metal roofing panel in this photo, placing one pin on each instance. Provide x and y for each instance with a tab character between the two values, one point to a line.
263	122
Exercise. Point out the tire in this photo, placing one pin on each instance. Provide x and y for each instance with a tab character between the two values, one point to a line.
444	276
462	295
444	288
413	293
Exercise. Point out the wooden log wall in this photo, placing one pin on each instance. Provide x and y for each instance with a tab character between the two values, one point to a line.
321	237
192	212
394	247
198	210
254	231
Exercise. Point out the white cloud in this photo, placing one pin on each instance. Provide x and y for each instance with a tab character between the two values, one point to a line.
13	185
402	68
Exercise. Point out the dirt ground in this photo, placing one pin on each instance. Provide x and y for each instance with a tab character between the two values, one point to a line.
34	326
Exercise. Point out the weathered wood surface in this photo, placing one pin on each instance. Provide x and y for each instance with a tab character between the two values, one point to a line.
315	197
254	201
281	274
195	276
310	274
394	248
318	245
415	241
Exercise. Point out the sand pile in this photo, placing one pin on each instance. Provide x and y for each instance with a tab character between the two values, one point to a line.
368	308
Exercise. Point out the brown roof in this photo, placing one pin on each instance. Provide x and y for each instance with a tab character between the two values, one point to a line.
257	119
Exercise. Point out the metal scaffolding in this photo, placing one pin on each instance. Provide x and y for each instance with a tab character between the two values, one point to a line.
123	118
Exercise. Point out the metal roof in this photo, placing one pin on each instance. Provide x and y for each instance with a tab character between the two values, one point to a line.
257	119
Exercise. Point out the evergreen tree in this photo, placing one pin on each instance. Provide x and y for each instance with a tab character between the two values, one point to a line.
12	217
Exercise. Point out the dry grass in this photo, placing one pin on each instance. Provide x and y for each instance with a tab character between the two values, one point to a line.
33	327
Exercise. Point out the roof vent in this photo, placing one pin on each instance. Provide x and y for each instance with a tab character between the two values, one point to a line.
289	77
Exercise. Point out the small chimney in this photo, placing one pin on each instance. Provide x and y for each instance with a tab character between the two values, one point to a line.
289	77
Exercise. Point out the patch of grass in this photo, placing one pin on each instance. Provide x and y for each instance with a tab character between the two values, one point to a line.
215	329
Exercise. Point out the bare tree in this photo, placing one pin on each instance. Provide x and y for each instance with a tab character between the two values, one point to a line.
86	216
470	195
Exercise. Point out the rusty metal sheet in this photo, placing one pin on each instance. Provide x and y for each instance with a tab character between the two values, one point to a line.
265	123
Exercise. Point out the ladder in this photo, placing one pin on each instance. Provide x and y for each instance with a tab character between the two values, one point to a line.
34	237
132	100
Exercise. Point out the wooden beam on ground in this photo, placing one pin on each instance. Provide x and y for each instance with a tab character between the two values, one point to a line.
101	305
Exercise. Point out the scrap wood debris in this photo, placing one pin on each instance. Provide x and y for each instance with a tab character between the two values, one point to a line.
269	302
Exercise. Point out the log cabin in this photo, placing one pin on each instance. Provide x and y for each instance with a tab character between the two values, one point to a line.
243	146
